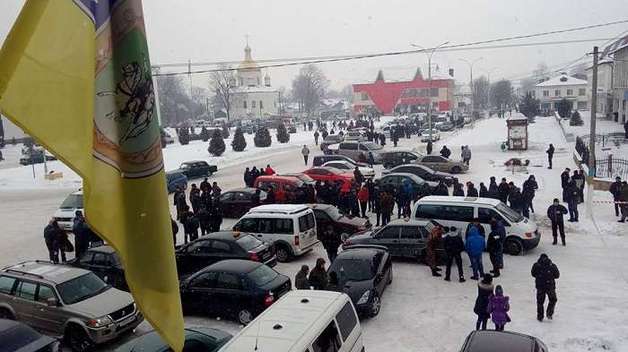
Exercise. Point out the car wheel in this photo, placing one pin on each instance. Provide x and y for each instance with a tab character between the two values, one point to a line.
376	305
283	253
77	339
6	314
245	316
456	170
513	246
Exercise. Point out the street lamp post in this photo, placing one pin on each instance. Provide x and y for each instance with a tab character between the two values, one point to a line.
471	63
429	55
488	75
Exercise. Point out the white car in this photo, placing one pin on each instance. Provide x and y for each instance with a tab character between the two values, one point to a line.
65	214
355	135
346	166
425	136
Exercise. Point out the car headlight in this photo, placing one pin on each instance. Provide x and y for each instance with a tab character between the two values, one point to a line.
365	297
99	322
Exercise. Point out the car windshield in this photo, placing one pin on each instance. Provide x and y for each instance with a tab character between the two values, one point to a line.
372	146
73	201
249	242
262	275
81	288
352	269
510	214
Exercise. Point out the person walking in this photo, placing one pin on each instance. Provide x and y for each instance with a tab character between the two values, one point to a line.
555	213
300	280
331	241
475	247
433	243
50	237
550	155
316	137
494	249
363	198
498	307
466	155
545	274
454	246
318	278
615	190
305	151
429	147
485	290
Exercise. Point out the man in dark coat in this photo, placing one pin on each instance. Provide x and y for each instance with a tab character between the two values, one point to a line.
471	190
441	189
204	186
248	179
550	155
529	189
331	241
458	191
445	152
81	234
318	278
51	234
215	216
493	189
545	274
579	179
555	213
300	280
195	198
204	220
175	230
615	190
572	196
503	190
357	175
516	200
429	147
564	181
483	191
387	203
179	201
454	246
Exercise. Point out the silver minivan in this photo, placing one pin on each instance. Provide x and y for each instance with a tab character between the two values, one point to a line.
359	151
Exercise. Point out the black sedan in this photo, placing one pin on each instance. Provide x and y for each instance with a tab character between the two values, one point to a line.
236	289
394	158
105	263
219	246
237	202
196	339
397	179
423	172
487	340
327	215
363	273
17	336
197	169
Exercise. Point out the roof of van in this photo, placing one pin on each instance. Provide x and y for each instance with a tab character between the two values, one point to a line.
290	324
279	208
449	199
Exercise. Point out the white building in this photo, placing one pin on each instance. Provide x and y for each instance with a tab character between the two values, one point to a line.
619	50
550	92
253	97
604	86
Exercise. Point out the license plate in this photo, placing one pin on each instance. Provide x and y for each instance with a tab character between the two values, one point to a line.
126	322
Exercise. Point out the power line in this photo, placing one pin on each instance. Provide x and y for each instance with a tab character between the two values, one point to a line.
405	52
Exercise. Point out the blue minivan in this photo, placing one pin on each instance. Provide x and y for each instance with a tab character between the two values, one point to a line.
175	179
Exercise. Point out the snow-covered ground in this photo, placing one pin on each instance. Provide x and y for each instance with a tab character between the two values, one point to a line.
419	312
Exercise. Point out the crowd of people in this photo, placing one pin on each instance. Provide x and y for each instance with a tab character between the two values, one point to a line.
619	190
203	211
58	243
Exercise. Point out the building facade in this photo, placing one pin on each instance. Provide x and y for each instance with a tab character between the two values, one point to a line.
550	92
253	97
620	80
604	87
404	96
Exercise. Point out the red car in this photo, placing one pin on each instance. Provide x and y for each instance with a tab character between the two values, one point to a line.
328	174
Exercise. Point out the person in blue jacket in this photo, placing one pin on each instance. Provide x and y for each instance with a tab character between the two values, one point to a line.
475	247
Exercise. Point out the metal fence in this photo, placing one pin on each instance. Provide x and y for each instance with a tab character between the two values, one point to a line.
611	167
615	138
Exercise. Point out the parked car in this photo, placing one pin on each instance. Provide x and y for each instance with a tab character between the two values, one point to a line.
329	174
236	202
440	163
104	262
197	169
522	234
347	167
305	178
233	288
197	338
489	340
291	128
222	245
62	300
355	135
327	214
392	158
291	228
363	273
423	172
396	180
331	139
175	179
303	320
291	186
66	212
445	126
18	337
402	237
321	159
359	150
425	135
35	158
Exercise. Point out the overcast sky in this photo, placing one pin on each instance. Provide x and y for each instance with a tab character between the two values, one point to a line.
210	30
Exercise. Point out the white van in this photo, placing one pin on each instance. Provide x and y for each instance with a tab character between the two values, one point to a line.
522	233
66	212
291	227
302	321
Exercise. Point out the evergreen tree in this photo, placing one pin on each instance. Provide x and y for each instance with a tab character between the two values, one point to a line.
216	144
282	134
529	106
204	134
184	136
576	119
225	131
564	108
262	138
238	143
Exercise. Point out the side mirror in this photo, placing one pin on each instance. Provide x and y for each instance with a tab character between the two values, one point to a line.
52	302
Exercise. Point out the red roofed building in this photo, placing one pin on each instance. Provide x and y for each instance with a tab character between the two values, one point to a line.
405	96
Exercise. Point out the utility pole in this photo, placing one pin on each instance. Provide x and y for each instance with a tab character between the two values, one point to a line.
593	114
471	63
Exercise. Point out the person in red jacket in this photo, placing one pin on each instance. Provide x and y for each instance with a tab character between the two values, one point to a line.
280	196
346	187
269	170
363	198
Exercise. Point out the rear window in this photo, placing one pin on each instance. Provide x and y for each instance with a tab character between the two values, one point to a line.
262	275
248	242
306	222
73	201
346	320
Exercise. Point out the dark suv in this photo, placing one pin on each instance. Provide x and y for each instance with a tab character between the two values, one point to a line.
197	169
104	262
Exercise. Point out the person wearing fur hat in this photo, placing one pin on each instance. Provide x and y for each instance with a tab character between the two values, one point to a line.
485	290
498	307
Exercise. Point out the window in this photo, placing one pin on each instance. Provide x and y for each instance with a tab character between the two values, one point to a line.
266	225
245	104
253	104
582	105
242	196
321	216
433	92
569	92
45	292
557	92
261	105
433	159
582	92
87	258
26	290
306	222
346	320
247	225
456	213
199	247
220	247
284	226
205	280
546	93
485	215
100	259
6	284
410	232
227	196
248	242
389	232
428	211
364	148
349	146
328	340
228	281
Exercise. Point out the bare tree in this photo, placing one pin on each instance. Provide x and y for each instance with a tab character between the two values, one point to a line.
309	87
480	92
175	105
501	94
223	84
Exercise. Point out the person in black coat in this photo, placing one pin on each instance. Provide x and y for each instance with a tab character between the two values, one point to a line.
195	198
458	191
572	196
440	189
516	200
300	280
555	213
429	147
204	220
248	178
503	190
50	237
485	290
81	234
529	189
471	190
545	274
564	181
445	152
331	241
615	190
175	230
453	248
493	189
318	278
550	155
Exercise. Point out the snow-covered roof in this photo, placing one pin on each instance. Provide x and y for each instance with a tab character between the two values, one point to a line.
562	80
258	89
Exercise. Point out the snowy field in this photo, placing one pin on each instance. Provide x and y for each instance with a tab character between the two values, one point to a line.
419	312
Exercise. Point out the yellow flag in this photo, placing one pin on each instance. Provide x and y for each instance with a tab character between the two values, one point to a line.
75	75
